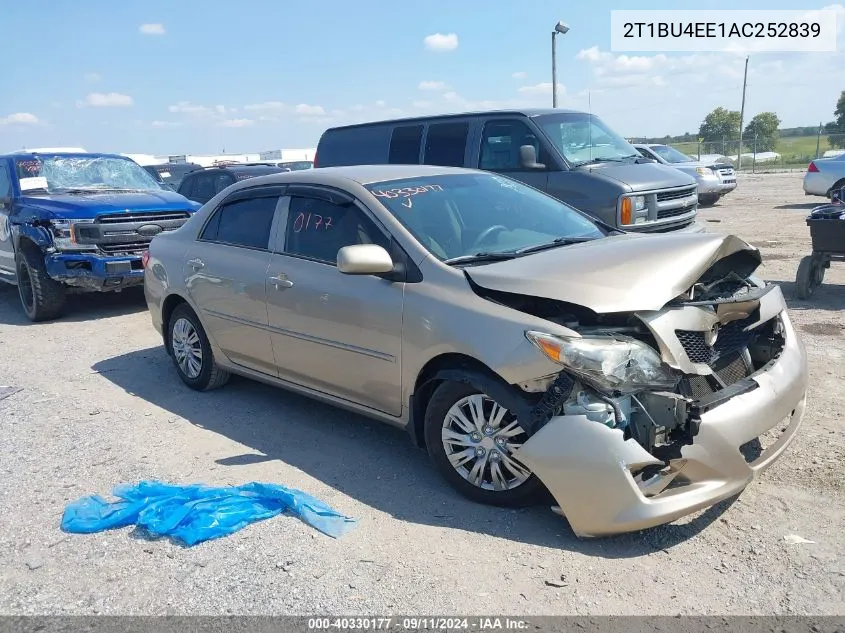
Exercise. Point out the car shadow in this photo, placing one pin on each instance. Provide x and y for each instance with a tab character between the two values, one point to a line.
80	307
801	206
371	462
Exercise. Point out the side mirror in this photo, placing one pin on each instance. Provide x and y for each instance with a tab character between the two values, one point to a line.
528	157
364	259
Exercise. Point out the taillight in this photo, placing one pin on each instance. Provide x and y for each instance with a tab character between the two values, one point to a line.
812	169
314	162
145	259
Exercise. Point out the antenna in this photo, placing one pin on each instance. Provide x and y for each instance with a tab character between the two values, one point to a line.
590	120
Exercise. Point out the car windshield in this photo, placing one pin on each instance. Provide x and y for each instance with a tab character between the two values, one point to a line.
56	174
584	138
464	215
670	154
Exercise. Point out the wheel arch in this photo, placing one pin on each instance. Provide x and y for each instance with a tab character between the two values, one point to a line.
168	306
458	368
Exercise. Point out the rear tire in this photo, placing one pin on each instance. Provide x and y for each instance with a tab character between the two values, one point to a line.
839	184
42	298
446	397
191	351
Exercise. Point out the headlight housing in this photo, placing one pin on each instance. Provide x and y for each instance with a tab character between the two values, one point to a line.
633	210
64	235
609	363
705	171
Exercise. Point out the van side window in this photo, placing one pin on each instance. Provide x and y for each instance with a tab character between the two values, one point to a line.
445	144
500	143
405	145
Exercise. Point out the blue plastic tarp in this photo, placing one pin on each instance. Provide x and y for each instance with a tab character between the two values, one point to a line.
195	513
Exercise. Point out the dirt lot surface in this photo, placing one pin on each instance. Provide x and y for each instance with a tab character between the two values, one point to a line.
101	404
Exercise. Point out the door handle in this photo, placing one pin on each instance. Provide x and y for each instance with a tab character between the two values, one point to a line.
196	264
281	281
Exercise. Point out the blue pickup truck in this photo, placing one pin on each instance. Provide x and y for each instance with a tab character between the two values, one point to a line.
74	222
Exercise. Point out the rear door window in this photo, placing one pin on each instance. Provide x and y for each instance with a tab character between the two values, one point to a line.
204	189
446	143
405	145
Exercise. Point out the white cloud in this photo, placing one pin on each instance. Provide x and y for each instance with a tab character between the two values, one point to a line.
310	110
236	123
381	103
186	107
151	29
544	88
19	118
165	124
93	78
106	100
440	43
519	75
433	85
267	106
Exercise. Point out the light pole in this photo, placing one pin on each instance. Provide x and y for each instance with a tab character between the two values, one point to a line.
561	28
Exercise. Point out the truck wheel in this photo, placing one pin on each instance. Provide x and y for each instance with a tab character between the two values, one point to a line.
42	298
809	277
192	353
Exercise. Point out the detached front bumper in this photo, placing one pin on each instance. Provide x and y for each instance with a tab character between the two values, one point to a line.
588	467
93	272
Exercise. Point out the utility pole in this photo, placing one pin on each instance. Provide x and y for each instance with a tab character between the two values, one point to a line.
742	116
554	69
819	139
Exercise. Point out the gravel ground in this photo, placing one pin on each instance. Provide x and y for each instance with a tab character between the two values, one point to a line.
100	404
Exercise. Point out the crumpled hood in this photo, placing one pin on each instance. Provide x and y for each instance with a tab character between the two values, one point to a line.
89	206
624	273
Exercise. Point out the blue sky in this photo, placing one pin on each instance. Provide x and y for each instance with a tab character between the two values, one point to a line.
267	74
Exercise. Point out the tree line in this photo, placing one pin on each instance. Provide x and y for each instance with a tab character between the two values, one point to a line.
762	131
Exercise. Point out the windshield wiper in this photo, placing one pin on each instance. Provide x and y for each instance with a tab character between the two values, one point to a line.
480	257
614	159
561	241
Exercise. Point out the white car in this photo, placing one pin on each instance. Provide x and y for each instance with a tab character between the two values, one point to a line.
825	175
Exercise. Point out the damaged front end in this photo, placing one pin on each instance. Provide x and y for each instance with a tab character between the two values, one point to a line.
659	413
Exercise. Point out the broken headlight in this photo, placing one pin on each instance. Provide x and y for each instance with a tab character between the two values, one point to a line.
64	235
611	364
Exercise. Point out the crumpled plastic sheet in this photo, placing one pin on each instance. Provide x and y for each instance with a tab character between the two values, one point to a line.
195	513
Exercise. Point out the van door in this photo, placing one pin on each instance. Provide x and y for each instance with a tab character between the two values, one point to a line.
499	151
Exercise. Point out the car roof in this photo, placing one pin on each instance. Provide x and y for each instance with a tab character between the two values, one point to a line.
361	174
33	155
527	112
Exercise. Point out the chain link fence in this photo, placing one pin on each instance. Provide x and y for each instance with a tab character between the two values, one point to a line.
757	155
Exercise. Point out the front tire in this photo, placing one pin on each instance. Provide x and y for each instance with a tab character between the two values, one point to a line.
707	200
42	298
191	351
471	440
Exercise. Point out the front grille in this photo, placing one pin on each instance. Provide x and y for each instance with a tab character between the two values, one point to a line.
730	338
674	194
129	248
729	369
671	213
145	217
128	233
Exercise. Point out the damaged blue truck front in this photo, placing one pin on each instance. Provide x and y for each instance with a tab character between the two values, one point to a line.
74	222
